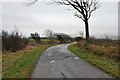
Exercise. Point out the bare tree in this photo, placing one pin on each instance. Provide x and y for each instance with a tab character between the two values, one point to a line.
48	33
83	9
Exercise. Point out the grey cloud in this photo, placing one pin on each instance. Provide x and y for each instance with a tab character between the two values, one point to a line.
41	16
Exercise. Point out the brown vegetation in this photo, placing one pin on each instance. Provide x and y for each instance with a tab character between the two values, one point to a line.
103	48
13	41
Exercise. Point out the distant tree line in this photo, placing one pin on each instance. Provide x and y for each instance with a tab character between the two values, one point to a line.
61	37
14	41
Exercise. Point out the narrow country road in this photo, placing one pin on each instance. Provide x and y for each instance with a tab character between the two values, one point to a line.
58	62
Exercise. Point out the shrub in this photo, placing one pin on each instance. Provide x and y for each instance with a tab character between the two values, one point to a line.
78	38
35	36
63	38
13	41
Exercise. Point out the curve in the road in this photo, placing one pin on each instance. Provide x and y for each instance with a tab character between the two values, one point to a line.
59	62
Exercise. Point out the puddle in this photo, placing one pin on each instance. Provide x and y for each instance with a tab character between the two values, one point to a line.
76	58
49	54
53	61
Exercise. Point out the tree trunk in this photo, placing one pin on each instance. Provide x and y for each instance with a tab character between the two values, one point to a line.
87	29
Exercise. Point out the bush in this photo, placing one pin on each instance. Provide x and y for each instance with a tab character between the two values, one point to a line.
13	41
63	38
60	38
78	38
35	36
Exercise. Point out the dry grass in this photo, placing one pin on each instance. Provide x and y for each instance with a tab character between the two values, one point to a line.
106	64
104	50
20	64
9	57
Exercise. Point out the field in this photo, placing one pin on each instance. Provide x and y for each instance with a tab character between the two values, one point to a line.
103	55
21	63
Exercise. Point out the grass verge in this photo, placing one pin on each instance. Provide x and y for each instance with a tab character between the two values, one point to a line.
20	64
104	64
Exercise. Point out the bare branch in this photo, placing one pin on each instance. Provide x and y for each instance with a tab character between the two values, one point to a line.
31	2
63	2
79	16
84	7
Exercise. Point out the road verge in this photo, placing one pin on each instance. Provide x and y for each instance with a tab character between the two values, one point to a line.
104	64
20	64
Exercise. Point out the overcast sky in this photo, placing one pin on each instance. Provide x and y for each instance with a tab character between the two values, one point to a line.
42	16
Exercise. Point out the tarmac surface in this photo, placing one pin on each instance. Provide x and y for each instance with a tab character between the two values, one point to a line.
59	62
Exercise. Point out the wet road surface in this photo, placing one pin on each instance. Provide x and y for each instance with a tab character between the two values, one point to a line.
59	62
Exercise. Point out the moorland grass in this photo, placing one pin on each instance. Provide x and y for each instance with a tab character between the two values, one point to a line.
105	64
20	64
